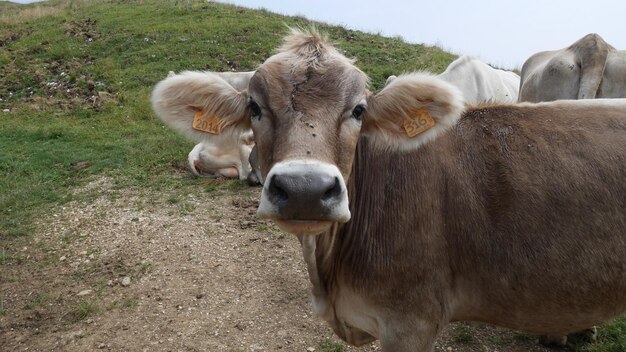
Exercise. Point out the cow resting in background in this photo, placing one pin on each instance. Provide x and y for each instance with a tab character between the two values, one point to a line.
228	154
413	211
480	82
227	159
590	68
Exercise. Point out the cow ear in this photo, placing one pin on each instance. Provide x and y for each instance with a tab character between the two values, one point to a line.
201	105
411	110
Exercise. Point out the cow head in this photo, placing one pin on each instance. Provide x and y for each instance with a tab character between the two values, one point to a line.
307	106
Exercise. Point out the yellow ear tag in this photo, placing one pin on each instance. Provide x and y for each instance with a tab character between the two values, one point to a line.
206	123
419	122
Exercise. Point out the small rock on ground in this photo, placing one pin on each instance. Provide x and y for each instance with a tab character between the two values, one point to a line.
126	281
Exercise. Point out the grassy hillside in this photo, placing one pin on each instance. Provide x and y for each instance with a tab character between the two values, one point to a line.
75	80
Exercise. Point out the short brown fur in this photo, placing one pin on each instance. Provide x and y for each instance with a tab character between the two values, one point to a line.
511	215
289	86
511	209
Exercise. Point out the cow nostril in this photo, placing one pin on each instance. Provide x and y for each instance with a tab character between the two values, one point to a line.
334	191
276	190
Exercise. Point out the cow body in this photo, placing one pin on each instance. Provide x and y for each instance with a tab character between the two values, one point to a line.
229	158
480	82
589	68
228	155
486	208
413	212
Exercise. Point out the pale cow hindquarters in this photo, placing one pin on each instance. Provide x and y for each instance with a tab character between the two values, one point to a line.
454	213
589	68
479	82
614	80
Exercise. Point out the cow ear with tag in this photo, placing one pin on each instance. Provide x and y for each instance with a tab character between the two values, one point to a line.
201	105
411	110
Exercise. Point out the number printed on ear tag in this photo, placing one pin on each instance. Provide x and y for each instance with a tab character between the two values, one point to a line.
419	122
204	122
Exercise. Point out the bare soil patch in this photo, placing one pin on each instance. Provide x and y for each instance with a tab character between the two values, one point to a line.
128	271
85	28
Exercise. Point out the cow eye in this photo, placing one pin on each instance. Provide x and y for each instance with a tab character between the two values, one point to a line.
357	112
255	109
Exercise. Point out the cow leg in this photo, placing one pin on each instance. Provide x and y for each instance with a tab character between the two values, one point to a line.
405	336
244	156
553	340
253	179
229	172
586	336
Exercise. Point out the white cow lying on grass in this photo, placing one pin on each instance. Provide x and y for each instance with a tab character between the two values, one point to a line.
480	82
227	154
228	159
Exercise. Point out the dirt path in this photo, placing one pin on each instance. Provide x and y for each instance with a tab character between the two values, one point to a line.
205	275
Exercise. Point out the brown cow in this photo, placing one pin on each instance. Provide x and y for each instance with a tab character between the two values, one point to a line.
414	212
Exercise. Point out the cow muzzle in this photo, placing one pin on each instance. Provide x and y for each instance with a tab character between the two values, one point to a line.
304	197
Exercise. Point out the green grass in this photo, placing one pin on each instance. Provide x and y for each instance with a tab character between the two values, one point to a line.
263	228
45	262
105	119
84	309
130	302
611	338
7	258
497	340
328	345
209	231
523	337
145	267
235	185
37	301
187	208
462	334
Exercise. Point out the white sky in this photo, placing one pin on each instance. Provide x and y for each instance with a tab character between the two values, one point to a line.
501	32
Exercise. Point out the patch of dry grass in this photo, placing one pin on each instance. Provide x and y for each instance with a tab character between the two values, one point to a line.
21	14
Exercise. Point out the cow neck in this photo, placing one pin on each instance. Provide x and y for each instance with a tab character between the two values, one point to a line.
324	253
383	185
319	288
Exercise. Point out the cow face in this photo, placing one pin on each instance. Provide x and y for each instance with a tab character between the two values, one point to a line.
307	106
